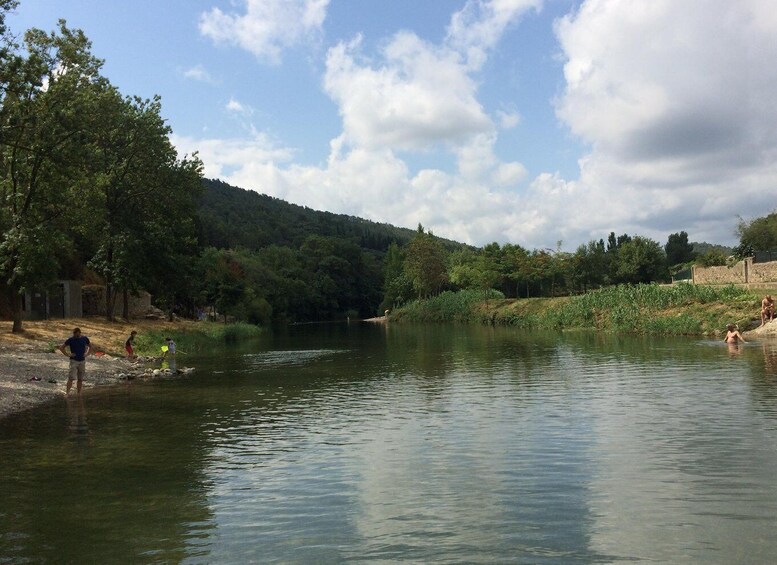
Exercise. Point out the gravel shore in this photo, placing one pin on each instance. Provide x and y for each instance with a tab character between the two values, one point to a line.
30	355
20	369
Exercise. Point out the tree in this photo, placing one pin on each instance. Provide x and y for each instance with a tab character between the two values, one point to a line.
589	265
168	234
397	288
135	172
515	259
759	234
641	260
425	264
480	271
678	250
48	90
712	258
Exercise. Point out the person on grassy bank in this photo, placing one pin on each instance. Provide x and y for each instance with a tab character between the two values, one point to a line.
128	346
767	309
78	348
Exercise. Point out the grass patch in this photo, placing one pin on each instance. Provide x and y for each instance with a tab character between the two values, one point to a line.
196	338
460	307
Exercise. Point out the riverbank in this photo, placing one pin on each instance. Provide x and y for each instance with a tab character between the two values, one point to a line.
682	309
33	371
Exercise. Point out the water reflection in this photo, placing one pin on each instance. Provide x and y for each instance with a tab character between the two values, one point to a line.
419	444
734	348
770	357
79	426
111	486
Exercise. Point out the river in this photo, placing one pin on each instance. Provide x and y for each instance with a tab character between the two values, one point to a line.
423	444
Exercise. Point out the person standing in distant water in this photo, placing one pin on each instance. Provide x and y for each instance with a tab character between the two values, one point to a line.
767	309
128	345
170	348
733	337
79	348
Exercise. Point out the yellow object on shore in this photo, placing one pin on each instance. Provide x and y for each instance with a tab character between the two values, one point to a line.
164	349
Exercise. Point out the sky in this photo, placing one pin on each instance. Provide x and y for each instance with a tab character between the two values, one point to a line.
529	122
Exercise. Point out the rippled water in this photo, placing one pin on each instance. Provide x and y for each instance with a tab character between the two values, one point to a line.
421	444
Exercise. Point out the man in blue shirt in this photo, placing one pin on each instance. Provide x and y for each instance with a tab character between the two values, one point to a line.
79	348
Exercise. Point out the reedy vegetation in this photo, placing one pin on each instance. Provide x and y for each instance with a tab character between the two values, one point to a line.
643	308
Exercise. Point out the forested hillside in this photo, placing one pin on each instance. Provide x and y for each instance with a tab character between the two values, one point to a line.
265	259
233	217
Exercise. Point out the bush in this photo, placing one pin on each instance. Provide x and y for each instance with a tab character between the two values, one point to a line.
447	306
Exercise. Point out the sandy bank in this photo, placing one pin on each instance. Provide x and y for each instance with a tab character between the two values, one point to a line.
29	355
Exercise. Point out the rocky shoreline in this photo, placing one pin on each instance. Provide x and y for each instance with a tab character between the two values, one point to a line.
30	376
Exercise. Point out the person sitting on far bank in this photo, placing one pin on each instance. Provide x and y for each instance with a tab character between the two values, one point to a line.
767	309
170	348
732	335
128	345
79	348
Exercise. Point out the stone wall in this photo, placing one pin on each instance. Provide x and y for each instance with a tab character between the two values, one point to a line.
763	272
736	274
744	272
94	302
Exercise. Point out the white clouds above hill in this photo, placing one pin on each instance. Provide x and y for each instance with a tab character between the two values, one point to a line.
411	96
674	99
677	102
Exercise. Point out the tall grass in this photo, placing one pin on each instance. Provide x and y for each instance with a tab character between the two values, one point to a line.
447	307
678	309
644	308
203	336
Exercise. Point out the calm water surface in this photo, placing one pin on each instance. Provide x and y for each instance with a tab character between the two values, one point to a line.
371	443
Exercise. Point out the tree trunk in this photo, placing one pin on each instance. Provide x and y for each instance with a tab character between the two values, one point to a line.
110	294
16	309
110	298
125	308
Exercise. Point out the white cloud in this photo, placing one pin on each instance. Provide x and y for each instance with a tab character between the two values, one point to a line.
235	160
236	107
199	73
475	29
508	119
677	102
267	26
411	97
417	96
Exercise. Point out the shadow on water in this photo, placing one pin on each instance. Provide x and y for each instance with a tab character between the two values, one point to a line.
92	480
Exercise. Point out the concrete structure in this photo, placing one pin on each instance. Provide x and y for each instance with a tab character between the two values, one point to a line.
60	300
94	297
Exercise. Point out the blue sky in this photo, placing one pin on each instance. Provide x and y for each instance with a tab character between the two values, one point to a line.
520	121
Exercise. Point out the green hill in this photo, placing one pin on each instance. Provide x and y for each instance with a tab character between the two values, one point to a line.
233	217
